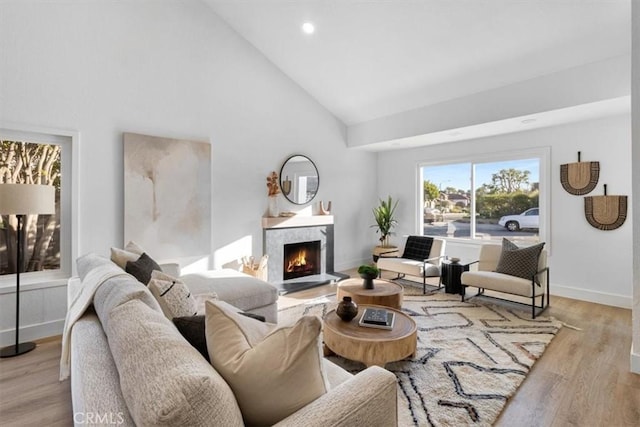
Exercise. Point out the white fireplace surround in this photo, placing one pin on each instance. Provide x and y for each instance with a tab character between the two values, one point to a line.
280	231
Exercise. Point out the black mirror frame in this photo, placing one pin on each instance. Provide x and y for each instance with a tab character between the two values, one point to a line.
281	178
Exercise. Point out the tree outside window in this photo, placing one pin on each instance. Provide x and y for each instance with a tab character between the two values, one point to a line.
26	162
501	188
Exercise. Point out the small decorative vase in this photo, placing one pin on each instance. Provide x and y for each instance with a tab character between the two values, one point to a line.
273	210
367	283
347	309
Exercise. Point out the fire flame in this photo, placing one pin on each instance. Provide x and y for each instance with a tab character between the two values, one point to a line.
297	261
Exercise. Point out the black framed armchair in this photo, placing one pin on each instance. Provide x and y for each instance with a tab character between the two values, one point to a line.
485	277
421	257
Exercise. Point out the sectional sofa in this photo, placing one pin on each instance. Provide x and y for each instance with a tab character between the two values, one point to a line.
129	365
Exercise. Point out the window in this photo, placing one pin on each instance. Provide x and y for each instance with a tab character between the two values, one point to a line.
486	199
28	157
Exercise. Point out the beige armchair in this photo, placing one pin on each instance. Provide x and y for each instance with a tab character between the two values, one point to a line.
487	278
421	257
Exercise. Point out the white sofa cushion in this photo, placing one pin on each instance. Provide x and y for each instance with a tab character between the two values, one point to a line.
238	289
114	291
273	372
95	385
164	380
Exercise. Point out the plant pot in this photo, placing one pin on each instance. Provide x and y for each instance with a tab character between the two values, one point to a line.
384	251
367	283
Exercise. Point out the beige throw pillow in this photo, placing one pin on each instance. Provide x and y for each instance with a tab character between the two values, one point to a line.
174	296
131	252
121	257
132	246
272	372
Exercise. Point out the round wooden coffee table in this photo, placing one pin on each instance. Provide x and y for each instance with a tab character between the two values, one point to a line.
384	292
371	346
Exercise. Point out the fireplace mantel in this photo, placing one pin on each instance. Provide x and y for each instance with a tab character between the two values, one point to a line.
296	221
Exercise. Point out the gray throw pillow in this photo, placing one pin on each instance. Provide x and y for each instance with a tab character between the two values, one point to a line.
519	262
142	268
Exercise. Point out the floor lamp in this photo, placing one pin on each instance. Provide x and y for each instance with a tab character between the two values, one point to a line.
21	200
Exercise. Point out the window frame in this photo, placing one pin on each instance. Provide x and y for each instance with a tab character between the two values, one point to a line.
69	141
543	154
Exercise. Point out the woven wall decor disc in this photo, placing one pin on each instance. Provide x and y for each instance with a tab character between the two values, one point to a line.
579	178
605	212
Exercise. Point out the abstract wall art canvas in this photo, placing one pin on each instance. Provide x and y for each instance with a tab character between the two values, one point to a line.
167	195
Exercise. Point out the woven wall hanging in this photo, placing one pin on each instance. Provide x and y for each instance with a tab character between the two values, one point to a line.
605	212
579	178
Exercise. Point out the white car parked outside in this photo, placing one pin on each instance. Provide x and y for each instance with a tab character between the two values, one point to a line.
527	219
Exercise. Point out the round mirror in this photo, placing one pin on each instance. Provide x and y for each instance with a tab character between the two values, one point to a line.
299	179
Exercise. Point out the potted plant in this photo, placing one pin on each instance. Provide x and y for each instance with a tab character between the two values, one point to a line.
385	221
368	273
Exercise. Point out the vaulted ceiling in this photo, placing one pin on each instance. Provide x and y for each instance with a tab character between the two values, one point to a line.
374	58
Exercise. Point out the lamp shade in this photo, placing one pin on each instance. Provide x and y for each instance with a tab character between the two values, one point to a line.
25	199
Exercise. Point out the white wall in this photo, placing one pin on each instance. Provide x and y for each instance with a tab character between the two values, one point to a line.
169	68
635	199
585	263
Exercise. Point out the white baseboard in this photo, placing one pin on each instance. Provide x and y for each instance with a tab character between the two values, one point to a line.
591	296
32	332
635	361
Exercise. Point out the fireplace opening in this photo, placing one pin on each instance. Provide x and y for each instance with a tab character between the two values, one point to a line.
301	259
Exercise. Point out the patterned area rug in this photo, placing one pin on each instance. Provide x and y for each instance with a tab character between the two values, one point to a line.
412	287
471	357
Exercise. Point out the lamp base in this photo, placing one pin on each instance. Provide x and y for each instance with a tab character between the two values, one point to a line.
12	350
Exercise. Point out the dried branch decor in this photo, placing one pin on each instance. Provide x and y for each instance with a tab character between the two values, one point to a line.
272	184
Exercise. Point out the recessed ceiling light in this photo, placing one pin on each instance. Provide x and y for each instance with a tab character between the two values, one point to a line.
308	28
527	121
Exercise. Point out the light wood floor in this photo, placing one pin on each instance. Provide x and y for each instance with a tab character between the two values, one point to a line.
583	378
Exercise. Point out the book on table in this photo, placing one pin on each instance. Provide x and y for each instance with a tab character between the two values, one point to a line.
377	318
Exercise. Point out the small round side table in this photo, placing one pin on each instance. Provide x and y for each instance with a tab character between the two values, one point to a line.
384	293
371	346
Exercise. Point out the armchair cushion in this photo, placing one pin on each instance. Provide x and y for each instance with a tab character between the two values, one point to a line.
519	262
417	248
501	283
408	266
413	262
